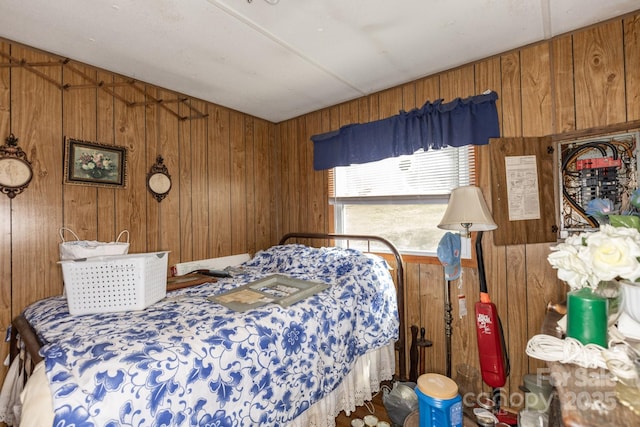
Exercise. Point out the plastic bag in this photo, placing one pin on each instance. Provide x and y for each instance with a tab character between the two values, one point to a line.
76	249
400	401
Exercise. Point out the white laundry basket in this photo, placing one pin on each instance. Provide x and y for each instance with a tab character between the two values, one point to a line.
115	283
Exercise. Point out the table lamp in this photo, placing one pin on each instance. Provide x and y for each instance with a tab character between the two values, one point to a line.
467	211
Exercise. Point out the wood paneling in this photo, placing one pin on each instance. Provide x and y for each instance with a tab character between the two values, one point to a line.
317	215
184	179
105	133
536	90
598	59
576	81
222	199
239	179
264	194
199	184
219	155
36	109
632	66
240	182
563	94
130	202
303	194
5	205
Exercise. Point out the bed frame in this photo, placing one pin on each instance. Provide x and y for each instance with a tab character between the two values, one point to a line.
22	328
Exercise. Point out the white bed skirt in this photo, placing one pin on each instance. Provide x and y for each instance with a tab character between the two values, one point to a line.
358	387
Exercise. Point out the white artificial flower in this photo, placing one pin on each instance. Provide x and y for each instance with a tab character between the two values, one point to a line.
586	259
613	253
571	268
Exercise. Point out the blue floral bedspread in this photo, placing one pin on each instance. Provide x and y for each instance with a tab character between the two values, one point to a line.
187	361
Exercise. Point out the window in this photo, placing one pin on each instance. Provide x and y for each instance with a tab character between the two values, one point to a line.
402	198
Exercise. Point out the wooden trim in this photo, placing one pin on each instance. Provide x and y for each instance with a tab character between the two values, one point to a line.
594	131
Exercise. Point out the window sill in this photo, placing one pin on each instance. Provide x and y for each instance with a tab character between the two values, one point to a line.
425	259
430	259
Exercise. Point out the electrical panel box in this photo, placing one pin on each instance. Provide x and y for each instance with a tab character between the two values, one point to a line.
596	168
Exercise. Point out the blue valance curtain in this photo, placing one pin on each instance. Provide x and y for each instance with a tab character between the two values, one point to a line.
436	125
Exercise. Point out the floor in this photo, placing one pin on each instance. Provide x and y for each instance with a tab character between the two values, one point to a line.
376	408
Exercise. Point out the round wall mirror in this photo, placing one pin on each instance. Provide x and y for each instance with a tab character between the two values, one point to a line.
15	169
159	180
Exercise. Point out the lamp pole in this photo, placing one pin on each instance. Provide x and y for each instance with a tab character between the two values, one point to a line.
448	319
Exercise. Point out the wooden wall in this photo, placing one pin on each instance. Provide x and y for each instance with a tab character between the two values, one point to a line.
240	182
587	79
223	196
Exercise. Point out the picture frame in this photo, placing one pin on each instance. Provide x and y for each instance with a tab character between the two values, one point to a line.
94	164
275	288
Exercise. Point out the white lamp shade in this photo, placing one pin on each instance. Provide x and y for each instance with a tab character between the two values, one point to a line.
467	206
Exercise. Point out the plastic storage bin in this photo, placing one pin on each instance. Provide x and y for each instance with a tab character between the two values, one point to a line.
115	283
439	403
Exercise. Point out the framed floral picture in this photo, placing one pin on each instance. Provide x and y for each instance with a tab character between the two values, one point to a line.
90	163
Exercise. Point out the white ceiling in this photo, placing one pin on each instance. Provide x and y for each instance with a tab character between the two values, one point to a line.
280	61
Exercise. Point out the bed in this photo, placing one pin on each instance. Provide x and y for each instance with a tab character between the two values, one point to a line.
187	360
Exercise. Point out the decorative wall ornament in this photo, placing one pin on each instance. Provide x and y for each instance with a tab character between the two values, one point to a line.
90	163
15	169
159	180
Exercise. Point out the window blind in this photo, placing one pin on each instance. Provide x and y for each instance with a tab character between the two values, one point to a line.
411	178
